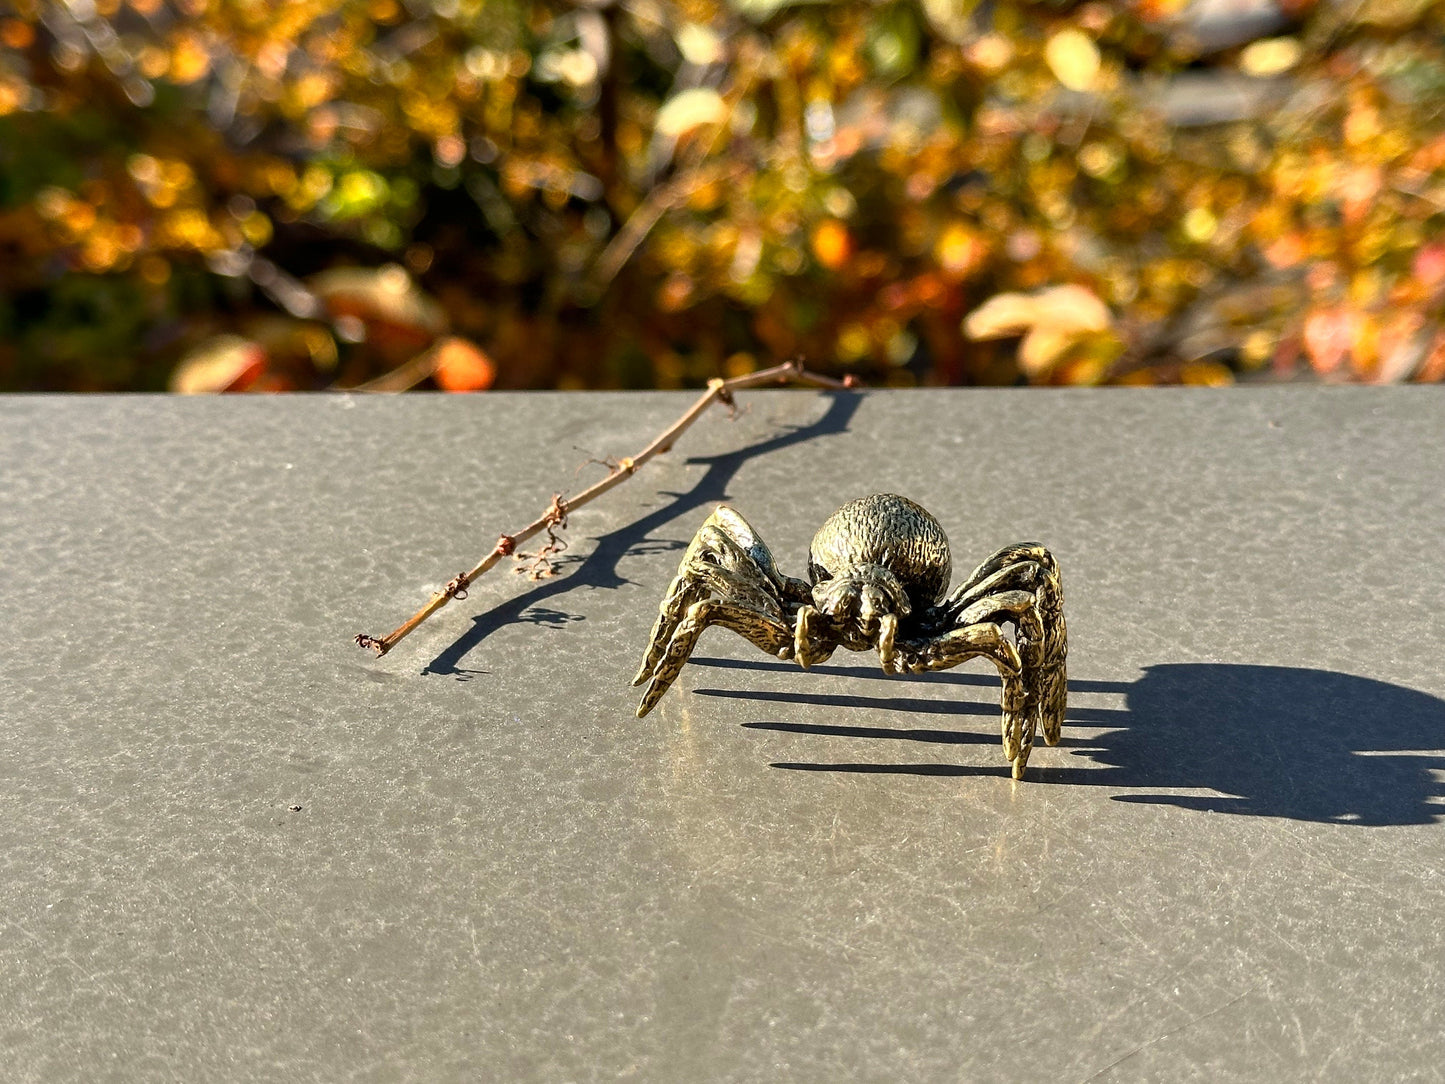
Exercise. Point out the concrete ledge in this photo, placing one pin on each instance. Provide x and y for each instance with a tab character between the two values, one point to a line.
236	847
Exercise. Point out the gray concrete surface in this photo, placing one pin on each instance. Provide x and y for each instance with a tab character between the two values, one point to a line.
233	846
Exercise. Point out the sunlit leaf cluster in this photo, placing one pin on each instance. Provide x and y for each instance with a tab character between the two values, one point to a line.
472	193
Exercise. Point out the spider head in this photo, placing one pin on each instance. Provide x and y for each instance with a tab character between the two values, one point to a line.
860	595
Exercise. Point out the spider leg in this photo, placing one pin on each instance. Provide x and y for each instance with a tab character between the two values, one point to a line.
810	641
887	644
957	646
1023	565
769	633
1041	632
686	588
726	560
1020	584
984	639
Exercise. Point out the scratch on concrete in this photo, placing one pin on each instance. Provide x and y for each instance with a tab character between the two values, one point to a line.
1171	1032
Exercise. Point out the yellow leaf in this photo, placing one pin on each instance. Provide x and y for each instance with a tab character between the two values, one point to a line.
462	366
190	59
691	109
1099	159
1073	58
699	44
1200	224
1073	308
386	294
1270	56
1209	374
1042	347
959	250
223	363
832	244
1052	322
1001	316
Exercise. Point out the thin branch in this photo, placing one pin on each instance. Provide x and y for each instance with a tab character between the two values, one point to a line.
406	375
649	213
789	373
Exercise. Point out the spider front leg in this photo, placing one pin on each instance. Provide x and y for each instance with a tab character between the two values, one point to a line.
770	634
727	577
988	640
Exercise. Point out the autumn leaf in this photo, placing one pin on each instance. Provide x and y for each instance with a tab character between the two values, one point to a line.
832	244
1329	337
691	109
223	363
1073	58
1051	322
462	366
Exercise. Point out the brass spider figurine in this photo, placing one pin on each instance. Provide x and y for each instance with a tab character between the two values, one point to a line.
879	568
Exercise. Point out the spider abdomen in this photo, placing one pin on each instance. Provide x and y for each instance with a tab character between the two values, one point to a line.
885	530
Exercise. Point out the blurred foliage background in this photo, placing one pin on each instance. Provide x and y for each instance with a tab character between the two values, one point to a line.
294	194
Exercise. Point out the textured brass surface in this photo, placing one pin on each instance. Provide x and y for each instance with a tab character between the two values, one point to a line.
878	568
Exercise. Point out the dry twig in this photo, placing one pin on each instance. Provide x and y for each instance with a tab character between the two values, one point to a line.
539	565
789	373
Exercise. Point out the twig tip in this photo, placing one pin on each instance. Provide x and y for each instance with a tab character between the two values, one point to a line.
379	646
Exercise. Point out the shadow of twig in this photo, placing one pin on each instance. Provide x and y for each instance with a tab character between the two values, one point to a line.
599	568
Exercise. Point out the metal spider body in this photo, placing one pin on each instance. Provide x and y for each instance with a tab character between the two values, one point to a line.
878	572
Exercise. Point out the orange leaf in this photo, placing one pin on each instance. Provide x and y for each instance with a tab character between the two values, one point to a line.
1329	336
832	244
463	366
1429	266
